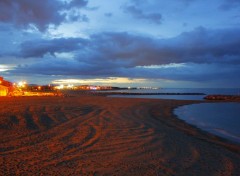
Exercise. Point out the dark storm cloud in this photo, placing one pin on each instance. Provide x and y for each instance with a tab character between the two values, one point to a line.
189	72
198	46
207	46
124	49
140	14
38	48
202	55
59	66
42	13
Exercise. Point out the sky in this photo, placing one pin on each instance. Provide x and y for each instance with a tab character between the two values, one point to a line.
158	43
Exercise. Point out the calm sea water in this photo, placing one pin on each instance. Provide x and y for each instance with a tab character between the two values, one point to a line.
222	119
176	97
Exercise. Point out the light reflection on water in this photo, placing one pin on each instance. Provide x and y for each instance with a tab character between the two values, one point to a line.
222	119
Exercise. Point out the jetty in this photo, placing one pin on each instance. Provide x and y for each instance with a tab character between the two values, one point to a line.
140	93
223	97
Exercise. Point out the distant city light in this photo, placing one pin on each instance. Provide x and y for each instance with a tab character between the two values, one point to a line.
22	84
70	86
60	86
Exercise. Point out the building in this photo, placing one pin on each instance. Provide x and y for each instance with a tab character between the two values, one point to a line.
5	87
3	90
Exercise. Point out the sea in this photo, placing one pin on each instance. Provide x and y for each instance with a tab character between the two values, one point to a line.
207	91
221	119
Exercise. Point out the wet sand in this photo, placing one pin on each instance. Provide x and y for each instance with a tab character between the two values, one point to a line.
91	135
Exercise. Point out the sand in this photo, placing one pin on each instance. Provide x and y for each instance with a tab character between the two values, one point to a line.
90	135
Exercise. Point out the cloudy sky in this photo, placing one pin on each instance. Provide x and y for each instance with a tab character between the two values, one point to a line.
174	43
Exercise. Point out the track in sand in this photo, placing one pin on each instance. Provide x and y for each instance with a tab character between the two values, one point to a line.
106	136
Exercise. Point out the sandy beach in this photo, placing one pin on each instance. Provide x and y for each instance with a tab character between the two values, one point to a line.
93	135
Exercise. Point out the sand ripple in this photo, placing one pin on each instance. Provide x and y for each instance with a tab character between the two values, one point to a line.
106	136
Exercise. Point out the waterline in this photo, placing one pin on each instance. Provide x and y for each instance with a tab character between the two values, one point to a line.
222	119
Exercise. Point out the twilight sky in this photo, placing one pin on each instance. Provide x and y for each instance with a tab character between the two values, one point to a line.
174	43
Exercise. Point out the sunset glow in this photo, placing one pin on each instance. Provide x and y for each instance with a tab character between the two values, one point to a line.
105	81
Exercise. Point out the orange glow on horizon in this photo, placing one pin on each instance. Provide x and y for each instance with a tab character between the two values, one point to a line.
107	81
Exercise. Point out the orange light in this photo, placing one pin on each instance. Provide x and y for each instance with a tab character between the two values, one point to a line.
22	84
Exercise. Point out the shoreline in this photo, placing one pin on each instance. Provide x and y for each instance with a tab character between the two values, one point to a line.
208	136
120	133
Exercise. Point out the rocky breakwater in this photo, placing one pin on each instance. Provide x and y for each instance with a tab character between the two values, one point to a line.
223	97
138	93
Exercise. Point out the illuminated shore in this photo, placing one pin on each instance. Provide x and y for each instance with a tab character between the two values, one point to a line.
95	135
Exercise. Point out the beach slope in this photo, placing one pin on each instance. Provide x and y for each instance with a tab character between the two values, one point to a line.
91	135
